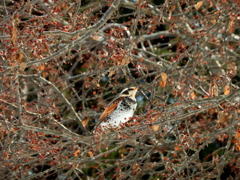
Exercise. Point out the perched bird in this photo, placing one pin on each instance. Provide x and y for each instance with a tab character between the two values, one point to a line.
120	110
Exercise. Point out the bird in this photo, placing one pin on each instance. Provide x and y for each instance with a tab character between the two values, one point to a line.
119	111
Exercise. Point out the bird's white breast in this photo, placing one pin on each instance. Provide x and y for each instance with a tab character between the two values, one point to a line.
119	116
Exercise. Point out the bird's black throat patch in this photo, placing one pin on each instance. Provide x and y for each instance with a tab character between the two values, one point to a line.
127	102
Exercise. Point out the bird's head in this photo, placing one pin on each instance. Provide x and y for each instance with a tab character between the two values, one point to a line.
129	92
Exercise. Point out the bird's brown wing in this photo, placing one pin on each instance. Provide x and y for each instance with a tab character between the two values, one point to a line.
112	106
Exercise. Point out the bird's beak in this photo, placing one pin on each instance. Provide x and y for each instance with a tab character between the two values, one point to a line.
135	91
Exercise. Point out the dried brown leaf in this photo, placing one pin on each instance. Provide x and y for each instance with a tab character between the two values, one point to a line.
164	79
193	95
227	90
76	153
14	30
95	37
213	89
155	127
23	65
232	68
111	73
237	140
41	67
231	25
198	5
90	153
177	148
19	57
85	122
14	35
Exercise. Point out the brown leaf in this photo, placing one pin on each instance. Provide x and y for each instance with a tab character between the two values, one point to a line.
198	5
90	153
19	56
14	31
177	148
41	67
210	4
124	61
232	68
227	90
76	153
155	127
231	25
237	140
213	89
85	121
111	73
223	117
23	65
193	95
95	37
213	21
164	79
44	74
14	36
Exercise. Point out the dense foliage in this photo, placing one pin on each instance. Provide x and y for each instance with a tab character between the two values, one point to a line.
63	61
